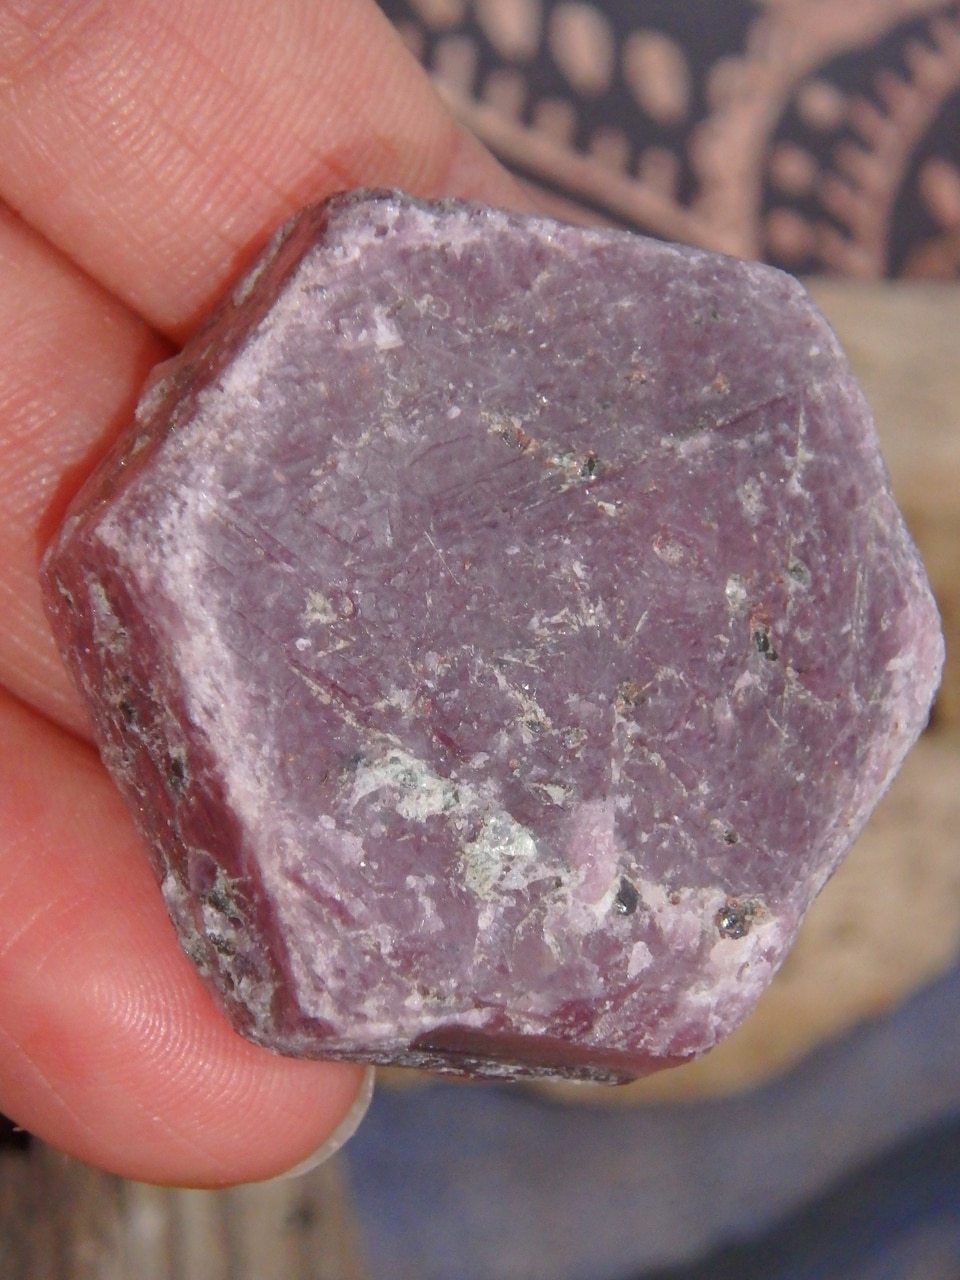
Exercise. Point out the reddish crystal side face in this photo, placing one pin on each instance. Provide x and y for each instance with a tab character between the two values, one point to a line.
499	630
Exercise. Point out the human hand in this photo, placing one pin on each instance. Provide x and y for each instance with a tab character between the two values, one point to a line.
149	148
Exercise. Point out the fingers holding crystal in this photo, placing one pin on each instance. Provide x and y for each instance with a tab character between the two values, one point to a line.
109	1045
156	183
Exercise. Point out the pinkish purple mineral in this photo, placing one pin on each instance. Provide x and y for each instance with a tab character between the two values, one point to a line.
499	631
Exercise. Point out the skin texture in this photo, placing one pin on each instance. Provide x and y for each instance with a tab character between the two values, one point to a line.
147	150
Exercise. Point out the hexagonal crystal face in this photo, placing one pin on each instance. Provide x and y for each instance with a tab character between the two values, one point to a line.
500	630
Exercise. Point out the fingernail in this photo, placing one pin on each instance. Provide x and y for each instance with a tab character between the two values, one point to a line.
344	1131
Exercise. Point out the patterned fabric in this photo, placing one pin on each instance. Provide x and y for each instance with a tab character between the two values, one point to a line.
821	136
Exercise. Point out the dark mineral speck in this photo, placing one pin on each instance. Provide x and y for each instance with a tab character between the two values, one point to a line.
176	772
626	899
735	919
799	573
764	645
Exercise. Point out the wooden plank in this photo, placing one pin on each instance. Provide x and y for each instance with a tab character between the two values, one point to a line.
901	339
902	342
61	1220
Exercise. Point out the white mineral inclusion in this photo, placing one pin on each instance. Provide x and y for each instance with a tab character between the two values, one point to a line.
751	498
386	335
501	858
318	610
735	592
641	958
416	792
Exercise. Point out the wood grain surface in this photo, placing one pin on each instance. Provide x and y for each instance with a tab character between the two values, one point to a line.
60	1220
902	341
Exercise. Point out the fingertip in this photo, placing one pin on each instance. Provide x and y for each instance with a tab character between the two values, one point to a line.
111	1048
298	1115
347	1126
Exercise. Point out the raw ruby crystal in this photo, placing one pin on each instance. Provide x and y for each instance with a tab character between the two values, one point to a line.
499	631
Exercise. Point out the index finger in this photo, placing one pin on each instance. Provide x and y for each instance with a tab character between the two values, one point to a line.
158	143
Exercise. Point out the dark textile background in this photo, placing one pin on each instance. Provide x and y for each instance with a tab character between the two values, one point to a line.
820	135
